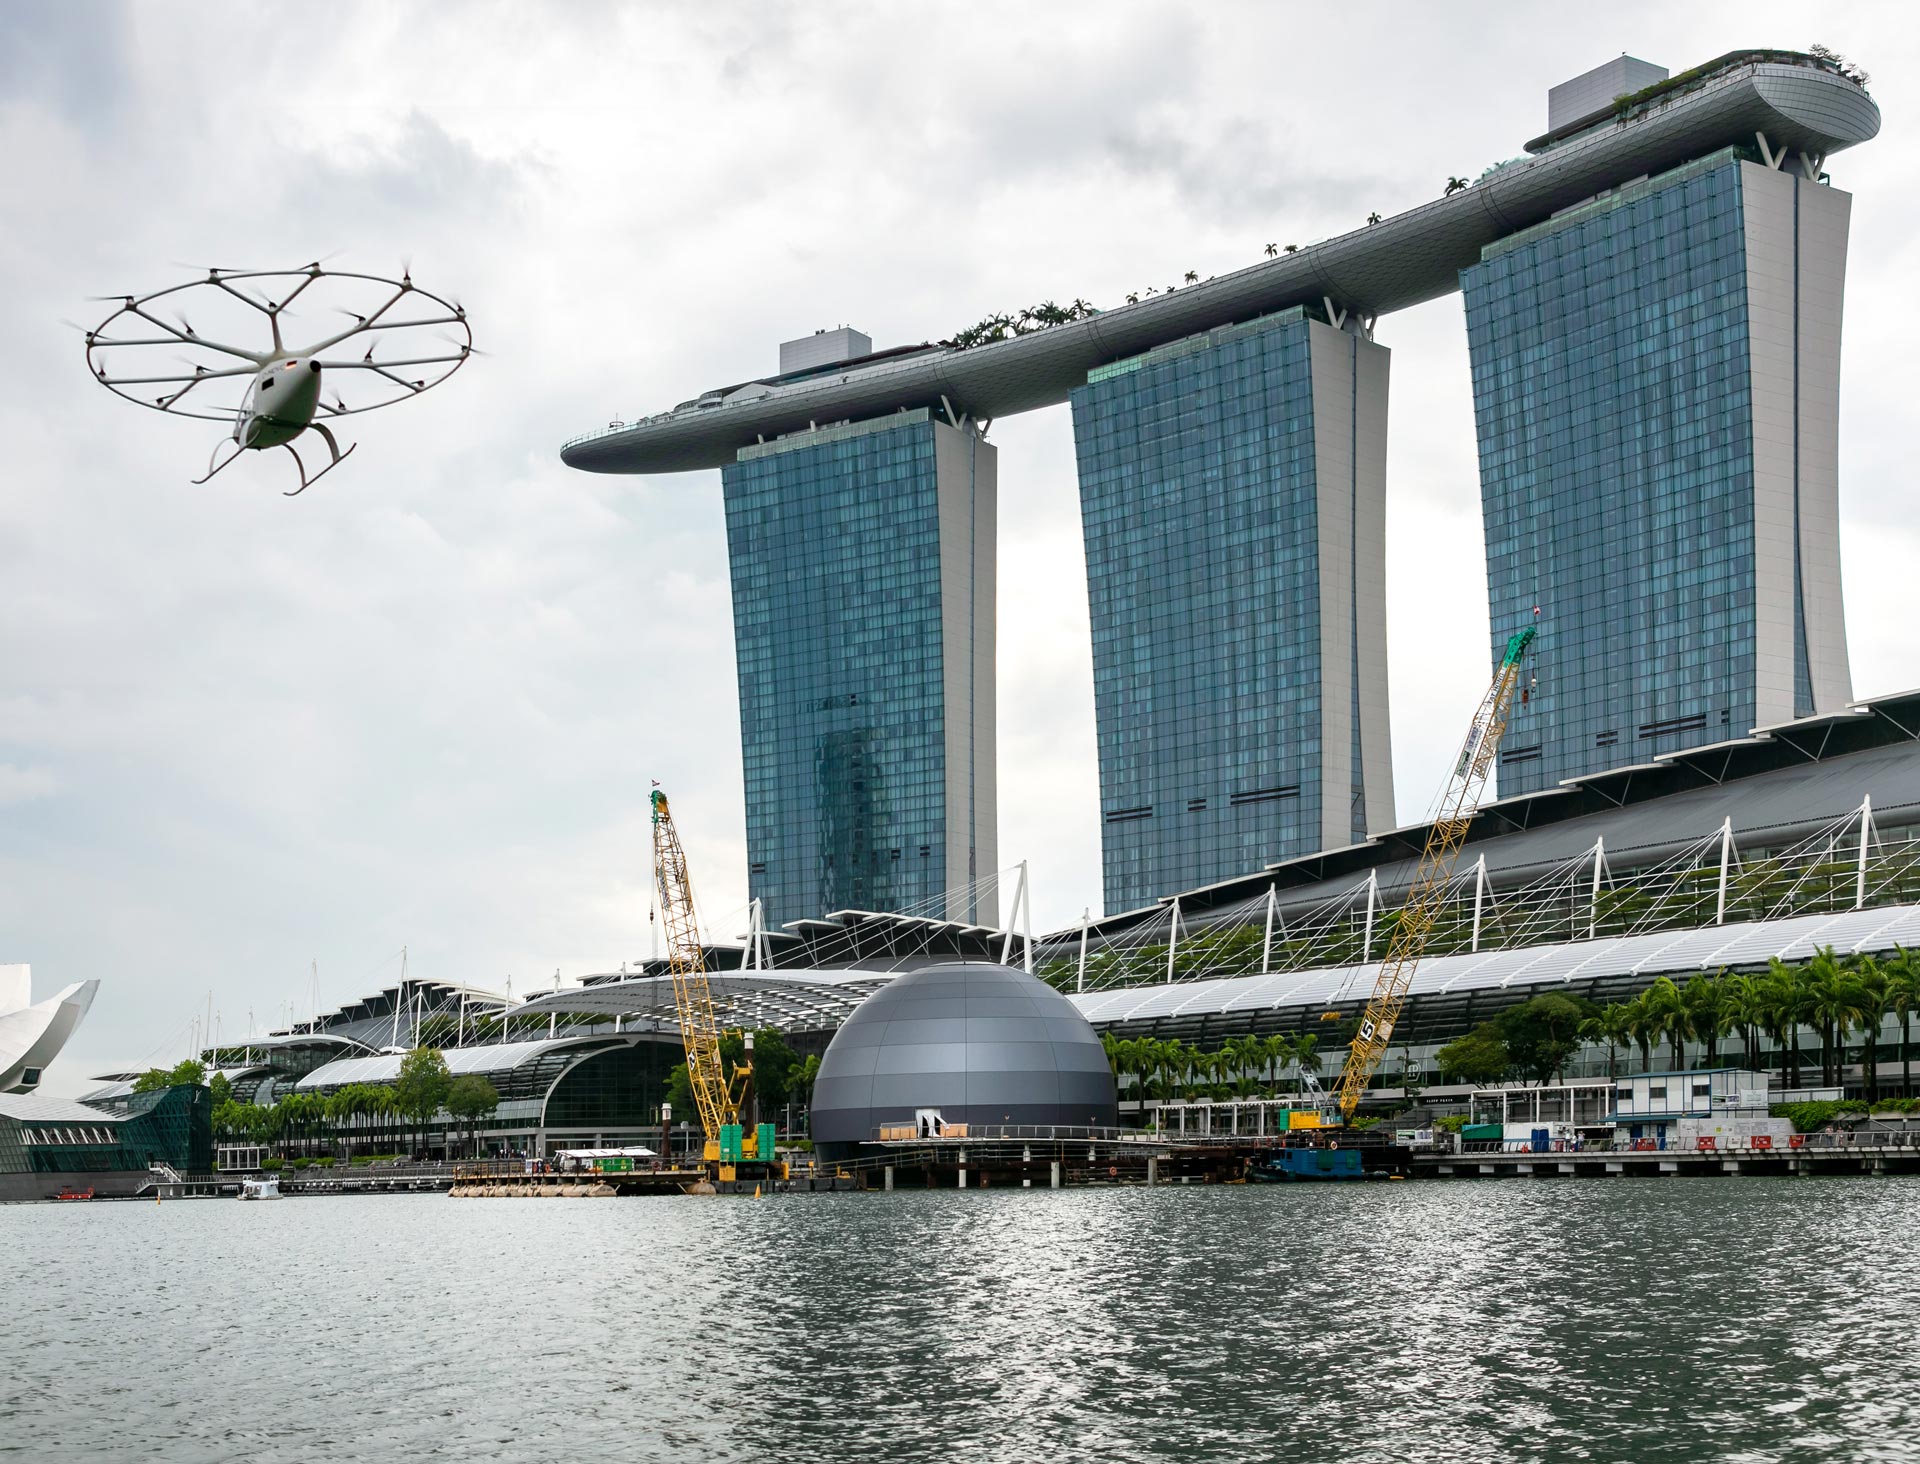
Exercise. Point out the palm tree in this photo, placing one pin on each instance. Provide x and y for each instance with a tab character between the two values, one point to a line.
1708	1006
1293	249
1192	275
1835	1008
1372	219
1455	185
1133	297
1835	1002
1279	1058
1306	1056
1903	993
1786	1008
1666	1011
1272	249
1873	984
1747	1011
1642	1028
1613	1025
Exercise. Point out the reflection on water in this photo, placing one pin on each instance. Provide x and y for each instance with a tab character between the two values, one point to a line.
1735	1319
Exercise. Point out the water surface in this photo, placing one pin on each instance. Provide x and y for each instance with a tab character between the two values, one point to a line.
1741	1319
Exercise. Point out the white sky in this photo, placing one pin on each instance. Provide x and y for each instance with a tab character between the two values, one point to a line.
421	705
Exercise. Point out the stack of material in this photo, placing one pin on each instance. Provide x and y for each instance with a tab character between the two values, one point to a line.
1733	1131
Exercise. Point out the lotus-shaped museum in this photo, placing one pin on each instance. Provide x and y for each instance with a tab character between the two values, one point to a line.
32	1034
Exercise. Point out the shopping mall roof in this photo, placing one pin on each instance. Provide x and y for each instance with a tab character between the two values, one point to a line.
1774	785
1800	104
1444	987
798	1000
34	1108
498	1057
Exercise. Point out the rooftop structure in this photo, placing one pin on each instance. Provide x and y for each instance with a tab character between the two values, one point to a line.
1592	94
1800	103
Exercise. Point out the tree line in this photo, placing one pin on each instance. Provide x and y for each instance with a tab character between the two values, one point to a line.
1821	1005
1166	1068
397	1112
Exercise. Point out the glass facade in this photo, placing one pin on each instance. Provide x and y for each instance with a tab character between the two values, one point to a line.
862	577
171	1126
1221	575
1612	397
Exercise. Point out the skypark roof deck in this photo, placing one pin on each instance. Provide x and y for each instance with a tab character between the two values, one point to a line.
1797	105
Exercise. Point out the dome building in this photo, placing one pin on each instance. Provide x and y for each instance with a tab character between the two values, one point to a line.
975	1044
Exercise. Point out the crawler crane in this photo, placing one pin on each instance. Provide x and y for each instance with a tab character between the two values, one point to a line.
717	1092
1431	876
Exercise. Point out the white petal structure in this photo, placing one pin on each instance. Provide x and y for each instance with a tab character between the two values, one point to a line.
32	1034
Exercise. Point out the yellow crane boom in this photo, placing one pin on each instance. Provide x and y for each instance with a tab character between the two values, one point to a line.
715	1093
1431	877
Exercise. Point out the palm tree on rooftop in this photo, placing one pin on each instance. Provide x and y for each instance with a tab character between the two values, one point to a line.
1293	249
1372	218
1272	249
1192	275
1455	185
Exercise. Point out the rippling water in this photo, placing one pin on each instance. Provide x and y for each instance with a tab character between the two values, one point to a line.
1737	1319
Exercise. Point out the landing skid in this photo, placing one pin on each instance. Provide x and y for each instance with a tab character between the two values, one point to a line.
213	471
333	447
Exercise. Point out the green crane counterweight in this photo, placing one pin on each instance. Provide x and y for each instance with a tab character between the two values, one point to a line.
1431	877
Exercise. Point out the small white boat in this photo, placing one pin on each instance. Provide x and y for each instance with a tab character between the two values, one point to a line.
259	1189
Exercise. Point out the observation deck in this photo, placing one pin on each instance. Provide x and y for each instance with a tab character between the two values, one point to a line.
1796	109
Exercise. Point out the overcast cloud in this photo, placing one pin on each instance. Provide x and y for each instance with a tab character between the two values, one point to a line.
421	704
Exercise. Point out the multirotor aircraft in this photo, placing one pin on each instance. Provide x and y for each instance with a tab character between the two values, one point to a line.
280	387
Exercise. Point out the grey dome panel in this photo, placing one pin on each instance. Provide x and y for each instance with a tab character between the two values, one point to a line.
986	1045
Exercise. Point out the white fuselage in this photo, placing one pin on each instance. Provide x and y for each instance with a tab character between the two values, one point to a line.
280	404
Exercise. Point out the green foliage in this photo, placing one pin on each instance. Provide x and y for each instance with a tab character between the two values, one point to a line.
421	1088
680	1095
1816	1114
221	1089
1004	327
273	1164
471	1096
773	1068
188	1074
1452	1123
325	1161
1542	1033
1479	1057
302	1162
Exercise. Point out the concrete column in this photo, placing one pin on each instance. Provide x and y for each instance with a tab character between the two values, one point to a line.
1054	1177
889	1181
1153	1170
963	1169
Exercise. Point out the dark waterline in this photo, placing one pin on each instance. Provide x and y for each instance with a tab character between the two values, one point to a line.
1733	1319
